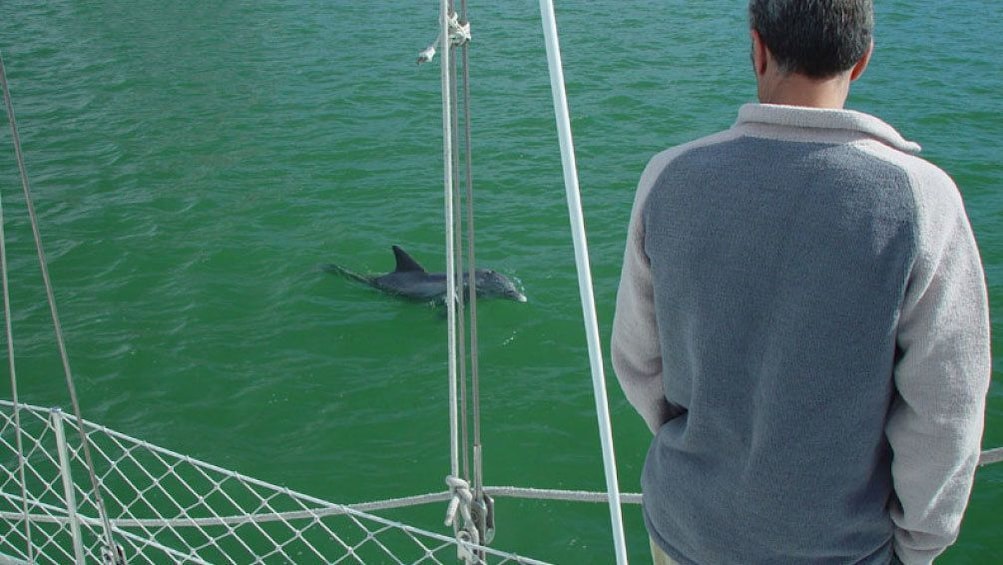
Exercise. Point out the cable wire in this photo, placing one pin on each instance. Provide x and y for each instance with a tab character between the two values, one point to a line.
50	294
9	329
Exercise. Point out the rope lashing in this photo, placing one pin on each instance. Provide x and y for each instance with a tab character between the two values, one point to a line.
459	34
461	502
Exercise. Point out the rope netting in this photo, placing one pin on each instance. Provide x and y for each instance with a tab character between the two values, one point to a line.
166	507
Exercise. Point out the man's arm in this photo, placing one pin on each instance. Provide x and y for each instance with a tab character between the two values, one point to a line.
942	376
635	346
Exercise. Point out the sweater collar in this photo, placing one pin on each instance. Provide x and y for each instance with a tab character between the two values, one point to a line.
819	118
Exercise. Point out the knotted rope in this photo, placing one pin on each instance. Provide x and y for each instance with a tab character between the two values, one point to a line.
468	534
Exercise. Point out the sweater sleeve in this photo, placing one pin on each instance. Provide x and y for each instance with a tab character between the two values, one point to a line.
942	375
636	352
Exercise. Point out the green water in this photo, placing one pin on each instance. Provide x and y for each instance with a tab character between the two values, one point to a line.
194	162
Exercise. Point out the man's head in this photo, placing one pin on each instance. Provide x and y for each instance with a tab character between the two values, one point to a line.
815	38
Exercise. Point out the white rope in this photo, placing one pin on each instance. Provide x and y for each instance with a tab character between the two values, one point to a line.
331	510
461	501
209	498
584	272
447	152
120	526
464	401
459	34
561	494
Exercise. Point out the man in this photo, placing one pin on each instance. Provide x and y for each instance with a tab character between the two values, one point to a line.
802	321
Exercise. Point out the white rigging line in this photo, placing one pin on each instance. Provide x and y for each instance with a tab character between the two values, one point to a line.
584	272
447	171
458	256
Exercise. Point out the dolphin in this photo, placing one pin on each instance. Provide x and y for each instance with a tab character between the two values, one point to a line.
410	280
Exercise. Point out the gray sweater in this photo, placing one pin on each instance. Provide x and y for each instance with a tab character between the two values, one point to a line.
802	321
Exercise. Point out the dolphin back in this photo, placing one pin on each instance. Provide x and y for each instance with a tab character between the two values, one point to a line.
409	279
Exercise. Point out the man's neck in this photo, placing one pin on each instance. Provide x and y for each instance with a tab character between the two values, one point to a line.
799	90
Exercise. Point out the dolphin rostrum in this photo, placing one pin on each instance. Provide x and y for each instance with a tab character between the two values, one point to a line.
410	280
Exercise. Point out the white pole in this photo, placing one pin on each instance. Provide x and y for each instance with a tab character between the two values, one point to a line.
584	271
447	162
69	491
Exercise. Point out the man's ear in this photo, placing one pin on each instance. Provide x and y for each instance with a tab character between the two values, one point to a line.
861	65
759	54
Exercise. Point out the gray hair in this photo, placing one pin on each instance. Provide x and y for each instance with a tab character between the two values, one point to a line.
817	38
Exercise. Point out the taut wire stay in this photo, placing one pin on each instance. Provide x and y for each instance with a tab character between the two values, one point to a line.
111	549
9	331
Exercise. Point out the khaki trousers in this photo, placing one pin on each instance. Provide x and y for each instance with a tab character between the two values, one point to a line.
658	557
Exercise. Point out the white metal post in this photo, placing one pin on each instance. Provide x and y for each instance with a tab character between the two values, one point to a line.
68	488
584	271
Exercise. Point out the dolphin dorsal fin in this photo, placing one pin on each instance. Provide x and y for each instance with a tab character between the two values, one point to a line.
405	262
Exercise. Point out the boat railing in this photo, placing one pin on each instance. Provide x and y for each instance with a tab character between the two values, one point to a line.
168	507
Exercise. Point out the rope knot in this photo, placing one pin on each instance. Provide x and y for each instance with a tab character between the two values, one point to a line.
461	500
428	54
466	534
459	34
